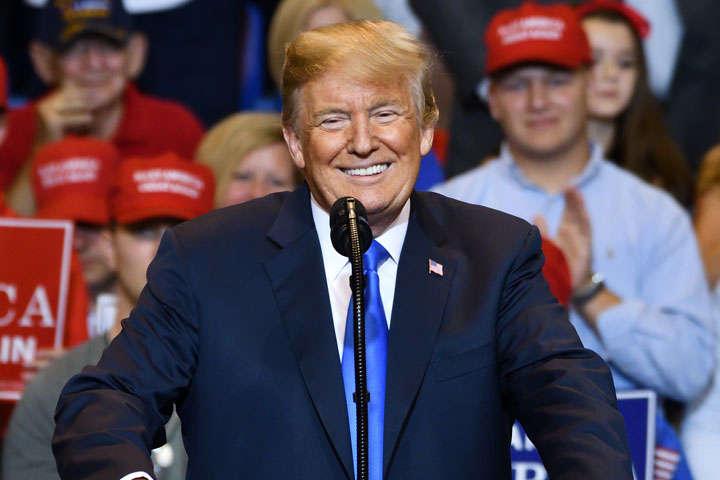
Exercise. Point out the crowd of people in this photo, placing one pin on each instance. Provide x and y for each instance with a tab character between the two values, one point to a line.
630	228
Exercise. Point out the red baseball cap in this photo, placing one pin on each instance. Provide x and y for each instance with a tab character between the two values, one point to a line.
3	84
536	33
161	186
636	19
71	179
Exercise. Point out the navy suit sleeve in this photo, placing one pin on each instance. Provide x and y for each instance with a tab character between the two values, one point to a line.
561	393
110	416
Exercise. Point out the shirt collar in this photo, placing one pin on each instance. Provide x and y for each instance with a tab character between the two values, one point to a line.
585	176
392	238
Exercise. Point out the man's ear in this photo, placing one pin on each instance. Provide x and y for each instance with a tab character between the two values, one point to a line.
426	139
492	101
295	146
136	48
43	61
110	251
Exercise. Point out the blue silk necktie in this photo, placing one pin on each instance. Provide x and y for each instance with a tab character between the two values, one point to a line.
376	334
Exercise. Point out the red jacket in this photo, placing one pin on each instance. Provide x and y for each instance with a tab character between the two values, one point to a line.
149	126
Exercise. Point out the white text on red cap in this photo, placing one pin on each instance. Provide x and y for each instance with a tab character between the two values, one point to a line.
70	170
168	180
531	28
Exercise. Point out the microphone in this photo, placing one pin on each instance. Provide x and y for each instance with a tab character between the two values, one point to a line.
343	210
351	236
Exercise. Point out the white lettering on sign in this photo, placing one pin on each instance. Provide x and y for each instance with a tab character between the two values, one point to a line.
17	349
11	292
529	471
520	442
38	306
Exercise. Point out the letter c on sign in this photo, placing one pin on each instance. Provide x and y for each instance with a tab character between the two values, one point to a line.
11	292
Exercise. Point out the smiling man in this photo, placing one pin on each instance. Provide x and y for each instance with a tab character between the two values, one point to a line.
360	140
242	323
89	53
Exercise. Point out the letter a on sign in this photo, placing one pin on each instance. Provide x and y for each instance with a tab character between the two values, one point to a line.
38	306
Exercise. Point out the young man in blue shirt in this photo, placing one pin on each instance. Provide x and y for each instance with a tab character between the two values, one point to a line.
639	295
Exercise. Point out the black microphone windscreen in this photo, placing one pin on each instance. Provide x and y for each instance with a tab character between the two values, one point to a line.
340	230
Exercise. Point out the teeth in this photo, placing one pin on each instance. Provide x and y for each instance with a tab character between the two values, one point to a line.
363	172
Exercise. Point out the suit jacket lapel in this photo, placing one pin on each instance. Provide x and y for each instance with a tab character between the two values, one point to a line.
420	298
297	276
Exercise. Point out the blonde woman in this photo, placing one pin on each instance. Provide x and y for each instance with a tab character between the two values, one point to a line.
249	158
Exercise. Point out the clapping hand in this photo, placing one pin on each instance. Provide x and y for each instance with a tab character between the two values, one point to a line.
574	237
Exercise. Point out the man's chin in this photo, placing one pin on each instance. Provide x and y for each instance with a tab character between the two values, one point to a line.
383	211
373	205
105	97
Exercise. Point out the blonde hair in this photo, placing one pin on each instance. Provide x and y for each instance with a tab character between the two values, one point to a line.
709	174
369	51
233	138
290	17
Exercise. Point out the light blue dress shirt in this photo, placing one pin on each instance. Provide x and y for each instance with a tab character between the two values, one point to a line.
661	335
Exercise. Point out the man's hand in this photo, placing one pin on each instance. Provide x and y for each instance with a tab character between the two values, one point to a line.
574	237
67	110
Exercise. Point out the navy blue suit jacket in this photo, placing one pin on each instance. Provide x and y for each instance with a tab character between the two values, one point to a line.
235	327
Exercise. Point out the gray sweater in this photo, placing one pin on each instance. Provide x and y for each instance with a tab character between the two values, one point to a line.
26	450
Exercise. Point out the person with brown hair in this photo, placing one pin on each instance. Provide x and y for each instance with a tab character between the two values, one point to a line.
624	116
71	179
248	157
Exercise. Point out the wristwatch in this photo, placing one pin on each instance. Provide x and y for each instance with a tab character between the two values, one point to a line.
588	291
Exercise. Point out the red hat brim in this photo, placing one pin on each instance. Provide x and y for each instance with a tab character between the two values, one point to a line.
77	207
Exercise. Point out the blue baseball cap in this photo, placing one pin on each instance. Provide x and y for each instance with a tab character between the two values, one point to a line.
61	22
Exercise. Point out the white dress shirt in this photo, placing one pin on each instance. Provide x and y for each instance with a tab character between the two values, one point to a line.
338	268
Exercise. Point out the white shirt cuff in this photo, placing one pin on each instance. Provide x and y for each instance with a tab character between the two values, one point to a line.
132	476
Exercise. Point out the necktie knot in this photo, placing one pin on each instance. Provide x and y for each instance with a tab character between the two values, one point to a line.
374	256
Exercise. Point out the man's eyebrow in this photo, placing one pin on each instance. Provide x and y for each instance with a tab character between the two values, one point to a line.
328	111
385	102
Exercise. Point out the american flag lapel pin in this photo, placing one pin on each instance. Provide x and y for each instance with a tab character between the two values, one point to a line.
434	267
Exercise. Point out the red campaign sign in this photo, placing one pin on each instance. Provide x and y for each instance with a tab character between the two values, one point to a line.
34	280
